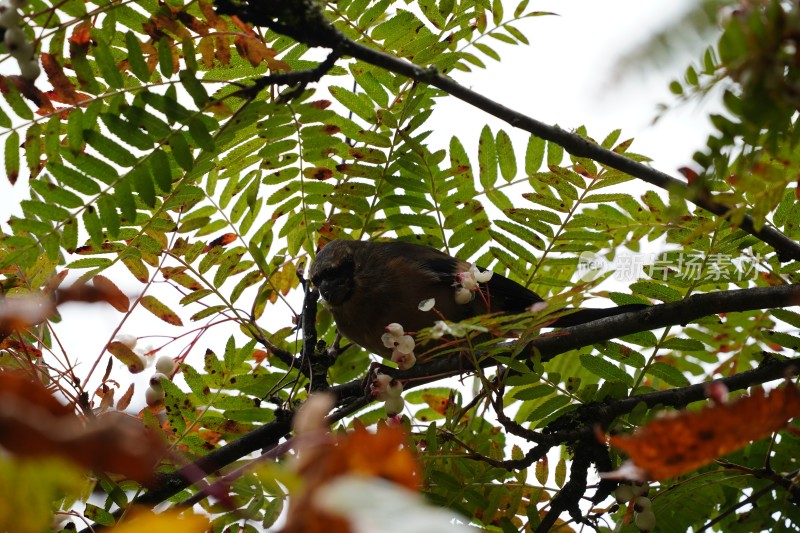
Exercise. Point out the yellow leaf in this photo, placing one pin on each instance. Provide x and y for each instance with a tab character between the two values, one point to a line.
167	522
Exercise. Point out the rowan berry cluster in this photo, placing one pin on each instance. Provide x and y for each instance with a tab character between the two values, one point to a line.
15	41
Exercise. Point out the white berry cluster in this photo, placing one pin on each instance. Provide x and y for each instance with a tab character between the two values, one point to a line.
402	345
165	368
18	46
636	494
388	390
467	283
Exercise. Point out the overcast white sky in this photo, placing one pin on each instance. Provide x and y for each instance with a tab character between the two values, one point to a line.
563	77
567	77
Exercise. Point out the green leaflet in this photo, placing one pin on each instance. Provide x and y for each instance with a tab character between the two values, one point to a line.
12	157
605	370
136	58
107	66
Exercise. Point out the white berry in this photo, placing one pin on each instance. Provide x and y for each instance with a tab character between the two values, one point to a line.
165	365
645	520
154	396
394	406
463	295
623	493
14	37
642	504
405	344
641	489
9	17
127	340
394	329
156	379
30	69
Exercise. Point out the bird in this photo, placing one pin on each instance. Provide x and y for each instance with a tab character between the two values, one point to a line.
370	287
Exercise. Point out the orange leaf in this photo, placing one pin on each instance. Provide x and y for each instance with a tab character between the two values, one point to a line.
245	27
206	49
673	445
222	240
81	35
193	23
689	173
112	294
259	355
20	346
125	399
102	291
55	282
211	16
252	49
383	454
34	424
436	402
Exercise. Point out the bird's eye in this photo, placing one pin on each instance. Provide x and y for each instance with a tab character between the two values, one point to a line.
320	277
341	271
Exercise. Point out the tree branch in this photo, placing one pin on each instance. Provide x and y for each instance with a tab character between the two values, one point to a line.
786	248
570	494
550	345
170	484
305	22
350	396
301	78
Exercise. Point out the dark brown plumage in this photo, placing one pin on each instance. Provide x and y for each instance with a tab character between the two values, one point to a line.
369	285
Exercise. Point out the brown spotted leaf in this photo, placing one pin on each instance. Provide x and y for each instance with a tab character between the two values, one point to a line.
159	309
318	173
179	276
63	89
126	356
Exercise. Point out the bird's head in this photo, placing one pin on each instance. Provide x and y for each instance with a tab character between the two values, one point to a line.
333	271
